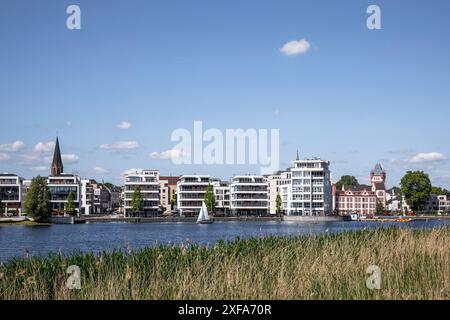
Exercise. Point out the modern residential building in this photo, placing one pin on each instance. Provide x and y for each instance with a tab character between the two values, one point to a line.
310	190
61	185
60	188
168	191
87	197
249	195
222	195
444	204
438	204
12	192
147	181
191	191
278	184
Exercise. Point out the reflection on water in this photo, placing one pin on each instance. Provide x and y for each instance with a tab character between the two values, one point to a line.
98	237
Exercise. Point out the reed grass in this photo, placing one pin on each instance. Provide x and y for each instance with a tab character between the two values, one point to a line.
415	264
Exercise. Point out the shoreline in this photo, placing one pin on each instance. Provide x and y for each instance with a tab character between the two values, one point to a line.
299	219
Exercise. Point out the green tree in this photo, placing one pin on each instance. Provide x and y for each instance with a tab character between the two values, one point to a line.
278	203
439	191
210	199
346	181
70	204
137	201
173	202
37	201
379	210
416	188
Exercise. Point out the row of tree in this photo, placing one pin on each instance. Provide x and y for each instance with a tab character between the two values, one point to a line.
415	186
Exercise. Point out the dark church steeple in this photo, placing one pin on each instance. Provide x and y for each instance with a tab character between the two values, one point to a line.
57	165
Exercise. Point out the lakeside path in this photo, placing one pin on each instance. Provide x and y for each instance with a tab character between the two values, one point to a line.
414	264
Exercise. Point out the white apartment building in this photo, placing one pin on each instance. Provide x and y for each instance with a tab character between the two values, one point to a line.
278	183
310	191
147	181
249	195
87	197
191	190
60	187
444	204
222	195
12	192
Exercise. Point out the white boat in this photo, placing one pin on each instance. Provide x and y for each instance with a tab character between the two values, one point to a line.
203	216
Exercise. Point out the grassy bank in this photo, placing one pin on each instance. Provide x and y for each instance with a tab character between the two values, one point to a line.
414	265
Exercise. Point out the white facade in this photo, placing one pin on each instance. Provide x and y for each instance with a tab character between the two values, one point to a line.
147	181
310	190
12	192
444	204
222	195
87	197
394	201
278	183
249	195
191	190
60	187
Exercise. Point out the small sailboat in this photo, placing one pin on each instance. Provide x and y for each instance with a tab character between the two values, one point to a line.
203	216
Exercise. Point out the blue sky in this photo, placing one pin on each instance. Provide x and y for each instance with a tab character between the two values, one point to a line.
356	97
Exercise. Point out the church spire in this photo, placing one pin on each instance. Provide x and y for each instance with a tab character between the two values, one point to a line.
57	165
297	158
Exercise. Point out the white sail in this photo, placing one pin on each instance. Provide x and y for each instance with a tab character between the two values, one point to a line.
205	212
203	215
200	215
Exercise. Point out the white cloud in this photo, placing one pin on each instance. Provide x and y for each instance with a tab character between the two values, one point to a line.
121	145
295	47
124	125
4	157
40	168
131	171
12	147
168	154
70	158
44	147
427	157
100	170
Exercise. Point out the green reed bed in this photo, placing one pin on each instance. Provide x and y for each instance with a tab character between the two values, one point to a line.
414	265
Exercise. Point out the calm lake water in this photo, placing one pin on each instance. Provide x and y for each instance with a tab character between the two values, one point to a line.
98	237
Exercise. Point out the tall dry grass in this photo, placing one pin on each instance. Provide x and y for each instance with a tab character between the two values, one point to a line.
414	265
